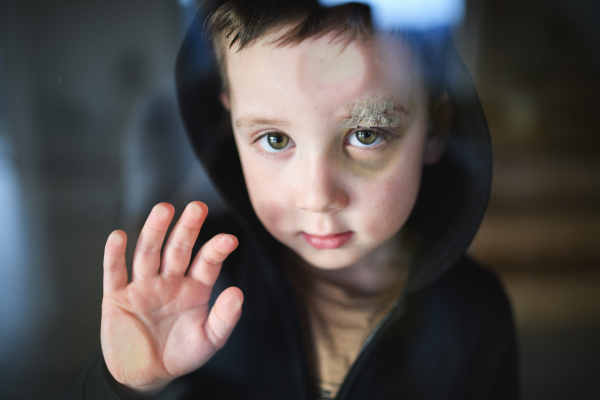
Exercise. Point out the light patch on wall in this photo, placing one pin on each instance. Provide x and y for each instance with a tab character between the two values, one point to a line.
412	14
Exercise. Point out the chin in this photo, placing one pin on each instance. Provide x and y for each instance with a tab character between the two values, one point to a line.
329	259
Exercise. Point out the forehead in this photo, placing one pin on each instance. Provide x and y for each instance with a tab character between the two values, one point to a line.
325	73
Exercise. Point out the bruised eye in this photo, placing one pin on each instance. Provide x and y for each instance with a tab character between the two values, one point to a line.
274	142
364	138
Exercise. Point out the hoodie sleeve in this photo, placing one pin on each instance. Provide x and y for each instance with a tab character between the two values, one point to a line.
93	381
506	385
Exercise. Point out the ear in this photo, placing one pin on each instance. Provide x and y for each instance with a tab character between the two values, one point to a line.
224	97
440	123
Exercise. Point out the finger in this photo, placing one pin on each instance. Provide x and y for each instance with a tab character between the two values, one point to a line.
115	269
146	259
178	250
208	261
224	316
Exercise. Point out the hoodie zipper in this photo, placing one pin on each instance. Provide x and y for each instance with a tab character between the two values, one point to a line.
366	344
369	339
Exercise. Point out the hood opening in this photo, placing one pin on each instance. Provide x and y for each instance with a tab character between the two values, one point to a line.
454	193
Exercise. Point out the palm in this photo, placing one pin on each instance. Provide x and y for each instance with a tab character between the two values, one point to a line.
160	326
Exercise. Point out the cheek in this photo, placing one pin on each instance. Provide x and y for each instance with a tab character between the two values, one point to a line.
391	208
268	195
385	204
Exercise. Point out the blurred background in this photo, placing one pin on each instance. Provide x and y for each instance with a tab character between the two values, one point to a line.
90	139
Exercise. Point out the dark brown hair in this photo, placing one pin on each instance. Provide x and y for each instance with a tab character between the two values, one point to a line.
242	22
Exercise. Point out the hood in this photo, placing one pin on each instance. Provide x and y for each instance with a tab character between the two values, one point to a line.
454	192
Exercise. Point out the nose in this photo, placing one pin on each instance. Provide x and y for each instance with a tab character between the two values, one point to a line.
320	188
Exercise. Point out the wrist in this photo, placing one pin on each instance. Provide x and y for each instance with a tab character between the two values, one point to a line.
129	392
134	393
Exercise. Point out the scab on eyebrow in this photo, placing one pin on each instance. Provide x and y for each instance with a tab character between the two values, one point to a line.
372	111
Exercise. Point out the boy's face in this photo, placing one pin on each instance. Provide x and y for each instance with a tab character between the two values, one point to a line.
332	193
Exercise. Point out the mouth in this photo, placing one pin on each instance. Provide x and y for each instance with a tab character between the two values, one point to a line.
327	242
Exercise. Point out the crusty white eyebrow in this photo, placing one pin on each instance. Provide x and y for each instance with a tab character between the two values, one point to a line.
373	111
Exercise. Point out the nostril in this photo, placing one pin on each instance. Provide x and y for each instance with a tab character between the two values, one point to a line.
323	202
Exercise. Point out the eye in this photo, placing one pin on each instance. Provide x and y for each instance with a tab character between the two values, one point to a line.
274	142
365	138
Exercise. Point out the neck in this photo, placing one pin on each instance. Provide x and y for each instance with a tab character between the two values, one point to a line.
383	270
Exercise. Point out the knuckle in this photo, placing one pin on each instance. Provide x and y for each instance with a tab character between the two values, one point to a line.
218	252
154	228
211	260
111	267
149	250
180	249
191	224
219	331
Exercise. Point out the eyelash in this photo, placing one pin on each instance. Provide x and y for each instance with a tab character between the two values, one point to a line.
381	134
384	136
268	153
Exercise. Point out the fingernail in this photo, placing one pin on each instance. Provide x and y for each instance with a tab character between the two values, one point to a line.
234	305
160	211
194	209
116	239
226	240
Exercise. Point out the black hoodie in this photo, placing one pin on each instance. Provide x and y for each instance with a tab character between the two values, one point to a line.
450	335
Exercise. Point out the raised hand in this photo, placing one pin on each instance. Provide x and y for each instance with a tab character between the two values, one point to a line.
159	326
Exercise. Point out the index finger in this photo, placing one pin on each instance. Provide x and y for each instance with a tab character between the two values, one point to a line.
178	250
146	259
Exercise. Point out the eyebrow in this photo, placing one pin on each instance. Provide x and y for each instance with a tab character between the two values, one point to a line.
348	115
397	107
373	111
249	121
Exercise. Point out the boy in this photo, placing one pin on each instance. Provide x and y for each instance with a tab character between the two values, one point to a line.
366	162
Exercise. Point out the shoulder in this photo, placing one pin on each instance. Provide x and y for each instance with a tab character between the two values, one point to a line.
470	299
473	280
463	323
477	287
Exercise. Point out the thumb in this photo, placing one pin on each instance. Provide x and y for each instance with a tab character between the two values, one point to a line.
224	316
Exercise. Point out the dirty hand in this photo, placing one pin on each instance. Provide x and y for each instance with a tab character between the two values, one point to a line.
159	326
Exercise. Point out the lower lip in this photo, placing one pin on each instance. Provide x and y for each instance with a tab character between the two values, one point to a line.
327	242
